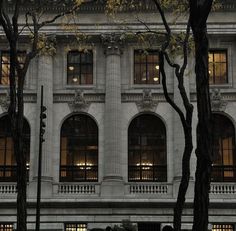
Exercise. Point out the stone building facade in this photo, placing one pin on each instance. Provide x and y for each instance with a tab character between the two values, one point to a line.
113	145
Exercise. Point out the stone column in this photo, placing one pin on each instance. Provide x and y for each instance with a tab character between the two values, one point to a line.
45	79
112	122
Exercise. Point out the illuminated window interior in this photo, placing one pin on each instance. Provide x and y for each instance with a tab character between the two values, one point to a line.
80	67
75	227
5	66
7	158
146	67
6	227
224	164
147	149
224	227
79	149
218	67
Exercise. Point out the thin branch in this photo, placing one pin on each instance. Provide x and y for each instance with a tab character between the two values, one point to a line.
168	99
76	7
168	30
15	18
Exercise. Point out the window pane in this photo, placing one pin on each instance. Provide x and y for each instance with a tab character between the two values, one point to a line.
224	148
222	227
218	67
80	67
5	65
7	158
80	149
76	227
146	67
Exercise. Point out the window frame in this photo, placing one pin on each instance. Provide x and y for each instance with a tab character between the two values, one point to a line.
141	168
4	168
222	228
4	228
72	168
147	84
92	64
2	51
215	51
220	169
77	228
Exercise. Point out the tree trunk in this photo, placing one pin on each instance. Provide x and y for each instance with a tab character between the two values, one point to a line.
204	131
179	206
16	114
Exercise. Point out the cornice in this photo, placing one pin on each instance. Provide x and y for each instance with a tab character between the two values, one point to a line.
99	6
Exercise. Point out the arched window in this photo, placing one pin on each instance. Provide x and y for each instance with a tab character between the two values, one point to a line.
79	149
224	163
7	157
147	149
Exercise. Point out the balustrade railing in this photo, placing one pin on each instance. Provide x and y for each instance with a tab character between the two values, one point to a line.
223	188
72	188
149	188
8	188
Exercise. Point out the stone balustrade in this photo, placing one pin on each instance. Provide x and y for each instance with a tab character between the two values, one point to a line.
223	188
142	188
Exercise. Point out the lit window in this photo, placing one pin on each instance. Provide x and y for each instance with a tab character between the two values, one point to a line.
5	66
224	163
7	158
147	149
79	149
218	67
6	227
224	227
75	227
146	67
80	67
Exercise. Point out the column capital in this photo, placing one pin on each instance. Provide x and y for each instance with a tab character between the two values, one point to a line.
113	43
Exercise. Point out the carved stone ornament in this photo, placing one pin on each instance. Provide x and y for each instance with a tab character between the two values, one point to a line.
79	103
113	43
147	103
5	102
217	102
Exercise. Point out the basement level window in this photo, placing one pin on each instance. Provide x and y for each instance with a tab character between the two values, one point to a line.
6	227
76	227
224	227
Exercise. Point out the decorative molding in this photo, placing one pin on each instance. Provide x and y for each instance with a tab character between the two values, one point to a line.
68	97
79	103
134	97
113	43
99	6
147	103
217	102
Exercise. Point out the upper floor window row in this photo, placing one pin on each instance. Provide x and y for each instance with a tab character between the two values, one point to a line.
146	67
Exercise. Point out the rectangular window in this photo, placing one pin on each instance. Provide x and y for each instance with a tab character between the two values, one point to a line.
225	227
146	67
218	73
80	67
5	66
76	227
6	227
